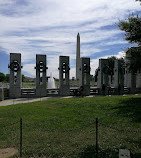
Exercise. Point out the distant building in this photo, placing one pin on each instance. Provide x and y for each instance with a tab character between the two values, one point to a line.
28	79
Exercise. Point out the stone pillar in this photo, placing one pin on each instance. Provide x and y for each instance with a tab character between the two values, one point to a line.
1	94
85	76
41	77
64	87
125	77
138	80
131	82
118	77
102	79
15	75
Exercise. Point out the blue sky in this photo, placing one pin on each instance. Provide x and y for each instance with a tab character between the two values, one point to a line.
50	27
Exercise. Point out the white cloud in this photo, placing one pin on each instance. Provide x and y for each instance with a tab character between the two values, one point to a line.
50	27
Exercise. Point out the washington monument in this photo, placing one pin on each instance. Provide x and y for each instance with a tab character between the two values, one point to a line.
78	59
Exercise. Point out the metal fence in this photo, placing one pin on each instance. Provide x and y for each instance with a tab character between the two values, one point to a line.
31	143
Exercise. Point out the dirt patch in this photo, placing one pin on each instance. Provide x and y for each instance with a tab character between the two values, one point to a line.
7	152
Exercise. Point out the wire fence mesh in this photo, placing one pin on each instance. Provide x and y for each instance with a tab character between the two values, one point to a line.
80	142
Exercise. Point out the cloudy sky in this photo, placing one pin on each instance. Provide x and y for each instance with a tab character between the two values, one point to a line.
50	27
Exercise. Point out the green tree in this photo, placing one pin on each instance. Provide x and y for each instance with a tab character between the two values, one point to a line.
7	77
109	68
2	77
133	56
132	28
23	77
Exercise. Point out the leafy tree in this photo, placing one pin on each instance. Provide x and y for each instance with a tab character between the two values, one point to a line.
133	56
132	28
23	77
2	77
7	77
109	68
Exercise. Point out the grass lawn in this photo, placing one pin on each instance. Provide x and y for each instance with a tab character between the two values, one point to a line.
120	112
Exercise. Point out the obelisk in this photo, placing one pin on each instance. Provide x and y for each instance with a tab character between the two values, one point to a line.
78	58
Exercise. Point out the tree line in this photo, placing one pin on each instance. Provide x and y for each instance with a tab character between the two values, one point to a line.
5	77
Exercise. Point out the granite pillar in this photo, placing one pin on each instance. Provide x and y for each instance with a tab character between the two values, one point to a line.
85	76
64	68
15	75
41	78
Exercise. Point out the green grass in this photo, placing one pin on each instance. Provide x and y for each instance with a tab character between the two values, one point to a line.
122	112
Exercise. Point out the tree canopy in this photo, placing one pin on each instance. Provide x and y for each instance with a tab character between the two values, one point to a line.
2	76
133	56
132	28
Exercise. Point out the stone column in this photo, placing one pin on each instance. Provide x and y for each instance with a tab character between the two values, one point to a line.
125	77
64	87
138	80
41	77
85	76
103	79
131	82
15	75
118	77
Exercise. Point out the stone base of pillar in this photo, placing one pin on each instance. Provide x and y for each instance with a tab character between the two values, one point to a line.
41	92
14	92
86	90
1	94
132	90
64	90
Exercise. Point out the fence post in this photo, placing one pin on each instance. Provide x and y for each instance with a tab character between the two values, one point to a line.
96	137
20	137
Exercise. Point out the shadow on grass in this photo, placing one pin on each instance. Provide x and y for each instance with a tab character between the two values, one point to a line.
130	108
89	152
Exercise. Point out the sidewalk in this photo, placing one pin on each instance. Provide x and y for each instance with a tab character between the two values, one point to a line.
26	100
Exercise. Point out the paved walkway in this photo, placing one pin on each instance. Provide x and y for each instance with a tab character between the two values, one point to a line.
26	100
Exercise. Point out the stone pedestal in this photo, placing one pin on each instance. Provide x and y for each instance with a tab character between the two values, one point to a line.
64	87
41	78
124	153
15	75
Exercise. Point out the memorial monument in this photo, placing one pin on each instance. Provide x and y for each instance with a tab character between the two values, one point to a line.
64	68
15	75
41	78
